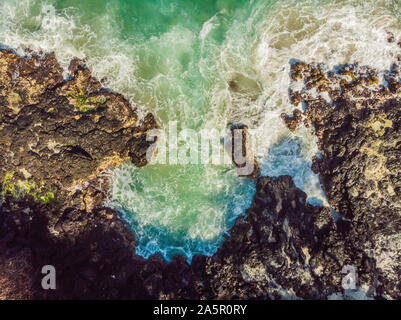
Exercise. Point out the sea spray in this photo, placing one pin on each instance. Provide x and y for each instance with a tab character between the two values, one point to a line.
205	65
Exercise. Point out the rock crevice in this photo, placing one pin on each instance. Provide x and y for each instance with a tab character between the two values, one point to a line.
58	137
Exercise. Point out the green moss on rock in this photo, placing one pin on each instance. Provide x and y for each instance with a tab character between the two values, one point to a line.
23	188
86	103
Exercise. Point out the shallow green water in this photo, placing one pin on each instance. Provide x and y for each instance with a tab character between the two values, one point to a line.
176	59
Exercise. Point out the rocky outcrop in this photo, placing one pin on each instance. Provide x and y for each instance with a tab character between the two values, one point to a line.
292	121
57	139
357	120
239	148
282	248
275	250
59	136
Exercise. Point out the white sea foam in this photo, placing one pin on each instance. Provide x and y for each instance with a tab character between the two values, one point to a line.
187	75
330	32
185	207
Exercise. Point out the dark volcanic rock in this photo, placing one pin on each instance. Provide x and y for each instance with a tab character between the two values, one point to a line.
360	141
60	134
294	120
58	137
239	147
282	248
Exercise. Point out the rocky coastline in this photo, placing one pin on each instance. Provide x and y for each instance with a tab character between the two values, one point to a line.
58	138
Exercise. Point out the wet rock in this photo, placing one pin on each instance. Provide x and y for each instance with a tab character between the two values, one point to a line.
239	146
360	139
292	121
139	145
57	139
75	65
279	249
63	135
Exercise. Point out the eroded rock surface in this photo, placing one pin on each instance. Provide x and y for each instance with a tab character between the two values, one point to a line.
282	248
58	137
357	119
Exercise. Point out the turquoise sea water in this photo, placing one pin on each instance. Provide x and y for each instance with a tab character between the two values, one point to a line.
177	59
